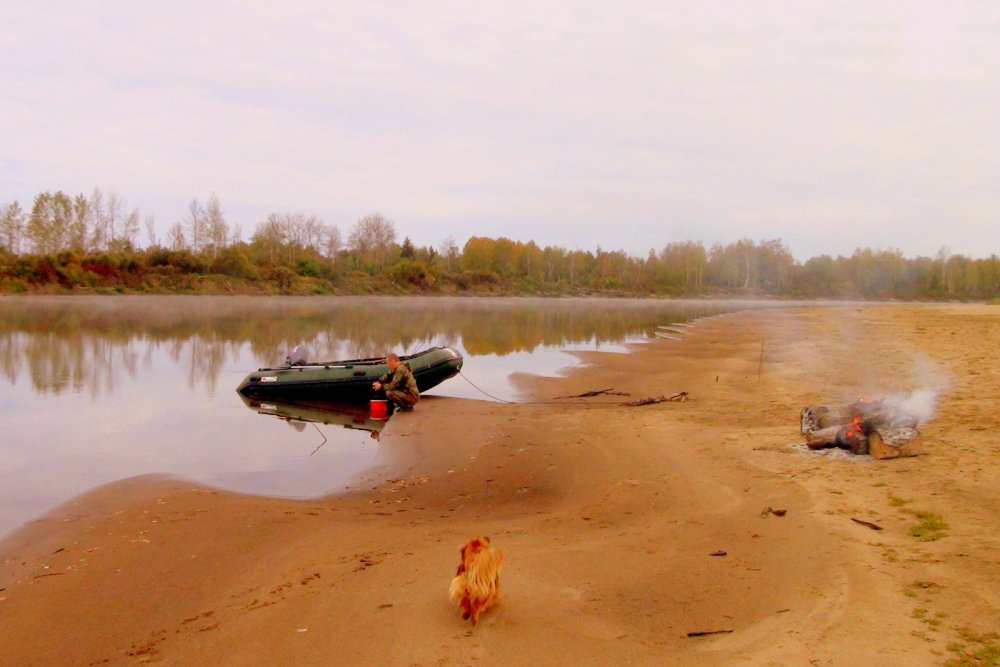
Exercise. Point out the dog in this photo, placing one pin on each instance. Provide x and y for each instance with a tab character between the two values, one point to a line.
476	585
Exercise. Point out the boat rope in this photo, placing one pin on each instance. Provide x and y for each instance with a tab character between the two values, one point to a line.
484	392
564	404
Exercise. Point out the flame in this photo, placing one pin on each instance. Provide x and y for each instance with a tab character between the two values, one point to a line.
854	428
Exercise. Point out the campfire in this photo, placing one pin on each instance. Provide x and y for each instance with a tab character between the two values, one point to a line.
883	428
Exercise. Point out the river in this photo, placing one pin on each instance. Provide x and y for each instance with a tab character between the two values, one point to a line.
94	389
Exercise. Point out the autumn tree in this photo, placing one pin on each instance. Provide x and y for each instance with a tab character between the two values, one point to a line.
270	237
48	224
819	276
77	232
774	264
477	255
532	263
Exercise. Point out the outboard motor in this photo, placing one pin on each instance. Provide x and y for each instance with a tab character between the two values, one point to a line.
297	357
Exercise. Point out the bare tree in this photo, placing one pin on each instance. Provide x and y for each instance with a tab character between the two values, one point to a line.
943	255
113	216
331	242
235	235
195	225
216	229
312	233
128	239
176	237
149	223
372	239
12	221
293	226
449	250
95	220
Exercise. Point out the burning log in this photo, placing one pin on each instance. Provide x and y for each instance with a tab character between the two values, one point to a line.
903	441
865	427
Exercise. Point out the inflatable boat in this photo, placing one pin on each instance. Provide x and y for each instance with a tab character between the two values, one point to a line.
348	380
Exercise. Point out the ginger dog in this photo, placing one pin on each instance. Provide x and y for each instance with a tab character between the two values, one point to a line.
476	585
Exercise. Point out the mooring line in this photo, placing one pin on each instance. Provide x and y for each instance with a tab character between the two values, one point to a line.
564	404
486	393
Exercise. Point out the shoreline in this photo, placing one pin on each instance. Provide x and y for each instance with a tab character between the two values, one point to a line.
609	515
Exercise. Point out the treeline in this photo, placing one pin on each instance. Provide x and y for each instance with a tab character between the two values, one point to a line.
93	243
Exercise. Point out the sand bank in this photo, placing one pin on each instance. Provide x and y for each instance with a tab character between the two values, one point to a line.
614	520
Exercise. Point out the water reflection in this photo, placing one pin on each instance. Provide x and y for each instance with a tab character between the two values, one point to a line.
299	413
88	343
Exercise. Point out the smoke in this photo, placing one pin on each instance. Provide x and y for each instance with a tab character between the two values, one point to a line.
917	391
920	403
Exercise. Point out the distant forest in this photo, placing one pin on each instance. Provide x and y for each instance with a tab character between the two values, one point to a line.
94	244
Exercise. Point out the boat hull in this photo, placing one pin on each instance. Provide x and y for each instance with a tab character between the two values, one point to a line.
349	380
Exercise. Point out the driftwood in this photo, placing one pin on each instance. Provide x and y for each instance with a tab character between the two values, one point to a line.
704	633
867	524
679	397
597	392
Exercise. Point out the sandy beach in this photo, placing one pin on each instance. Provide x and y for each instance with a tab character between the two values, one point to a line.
626	528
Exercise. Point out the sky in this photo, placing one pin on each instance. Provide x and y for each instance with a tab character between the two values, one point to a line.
627	125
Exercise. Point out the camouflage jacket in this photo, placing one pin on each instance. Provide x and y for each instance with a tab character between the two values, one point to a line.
400	380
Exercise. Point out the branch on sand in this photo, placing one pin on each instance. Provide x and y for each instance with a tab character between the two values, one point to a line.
867	524
679	397
597	392
705	633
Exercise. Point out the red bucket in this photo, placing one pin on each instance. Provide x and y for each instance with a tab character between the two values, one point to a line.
379	409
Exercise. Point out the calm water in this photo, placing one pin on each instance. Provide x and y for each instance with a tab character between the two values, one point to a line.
97	389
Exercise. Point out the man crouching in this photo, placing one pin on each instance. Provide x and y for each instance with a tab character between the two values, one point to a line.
399	384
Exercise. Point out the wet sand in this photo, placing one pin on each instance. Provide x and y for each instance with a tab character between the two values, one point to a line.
610	517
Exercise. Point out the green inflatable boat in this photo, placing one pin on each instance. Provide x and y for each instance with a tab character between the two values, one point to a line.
348	380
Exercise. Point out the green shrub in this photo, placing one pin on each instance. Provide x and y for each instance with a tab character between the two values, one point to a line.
13	286
309	267
187	262
236	265
411	273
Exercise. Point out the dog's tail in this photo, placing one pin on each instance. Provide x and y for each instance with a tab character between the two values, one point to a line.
457	588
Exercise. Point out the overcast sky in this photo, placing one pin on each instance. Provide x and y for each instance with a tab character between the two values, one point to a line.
627	125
